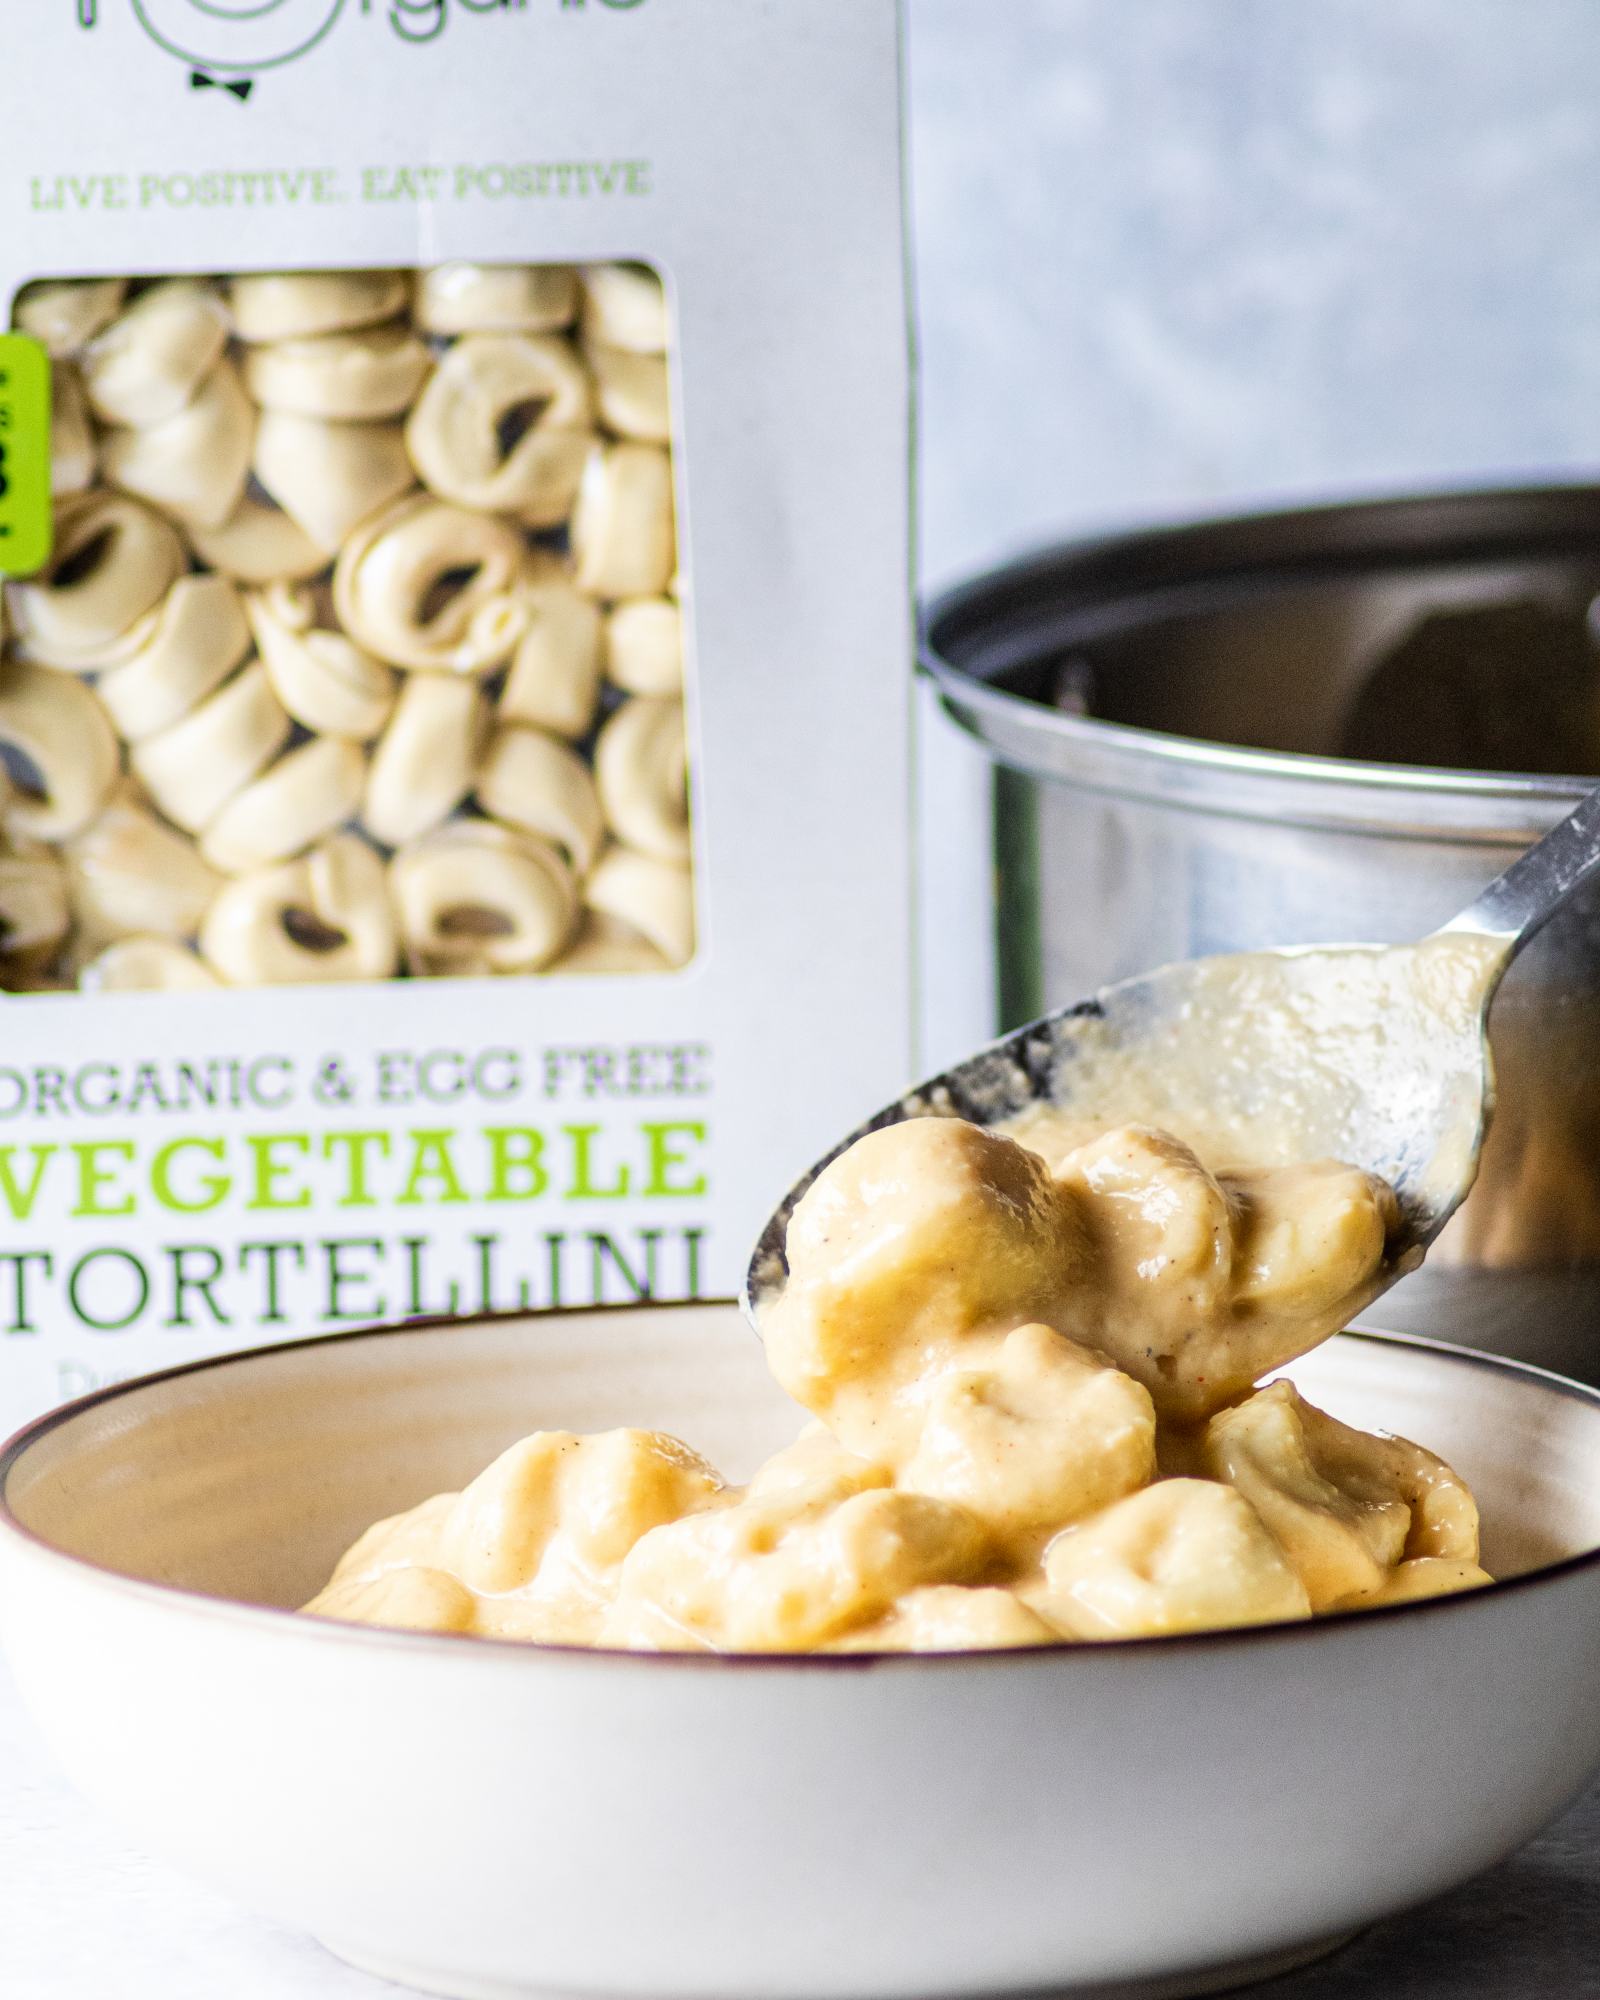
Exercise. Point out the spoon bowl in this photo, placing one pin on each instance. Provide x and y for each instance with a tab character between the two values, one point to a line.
1374	1055
1371	1054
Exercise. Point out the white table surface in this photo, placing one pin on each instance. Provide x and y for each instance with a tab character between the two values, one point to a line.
85	1916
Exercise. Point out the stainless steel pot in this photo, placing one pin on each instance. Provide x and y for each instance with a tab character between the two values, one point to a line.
1164	708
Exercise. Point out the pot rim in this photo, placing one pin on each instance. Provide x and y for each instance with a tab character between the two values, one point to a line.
294	1628
1013	613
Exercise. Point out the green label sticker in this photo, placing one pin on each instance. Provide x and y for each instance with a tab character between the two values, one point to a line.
24	455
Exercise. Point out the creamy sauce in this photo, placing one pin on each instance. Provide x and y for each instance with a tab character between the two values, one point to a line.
1266	1059
1032	1370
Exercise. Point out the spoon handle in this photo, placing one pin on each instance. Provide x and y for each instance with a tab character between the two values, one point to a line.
1517	905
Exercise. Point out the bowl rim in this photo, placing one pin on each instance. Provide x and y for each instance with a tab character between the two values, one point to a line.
295	1627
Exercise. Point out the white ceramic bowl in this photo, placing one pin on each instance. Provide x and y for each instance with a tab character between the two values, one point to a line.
1156	1817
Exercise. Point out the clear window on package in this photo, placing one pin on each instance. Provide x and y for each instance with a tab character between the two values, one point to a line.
360	653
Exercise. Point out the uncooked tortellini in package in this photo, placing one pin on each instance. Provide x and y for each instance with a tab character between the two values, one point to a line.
361	651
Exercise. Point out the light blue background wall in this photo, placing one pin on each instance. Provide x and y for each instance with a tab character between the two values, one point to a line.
1176	252
1180	255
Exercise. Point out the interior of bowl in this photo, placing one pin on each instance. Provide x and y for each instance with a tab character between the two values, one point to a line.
247	1478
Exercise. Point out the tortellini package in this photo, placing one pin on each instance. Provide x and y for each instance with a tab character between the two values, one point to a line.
455	654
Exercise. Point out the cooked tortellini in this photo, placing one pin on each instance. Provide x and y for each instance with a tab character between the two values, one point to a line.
533	1549
1183	1555
1347	1509
1038	1432
1036	1420
381	557
1211	1279
789	1572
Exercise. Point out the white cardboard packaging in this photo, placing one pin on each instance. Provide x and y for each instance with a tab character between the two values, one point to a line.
186	1173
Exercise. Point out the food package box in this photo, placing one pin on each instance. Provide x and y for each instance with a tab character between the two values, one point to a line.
454	698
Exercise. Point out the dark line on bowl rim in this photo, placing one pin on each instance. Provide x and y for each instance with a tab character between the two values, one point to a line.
335	1631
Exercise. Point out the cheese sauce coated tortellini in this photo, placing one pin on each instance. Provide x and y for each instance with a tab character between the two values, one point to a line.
1036	1418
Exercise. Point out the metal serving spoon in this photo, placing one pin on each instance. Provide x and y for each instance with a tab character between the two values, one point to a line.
1377	1055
